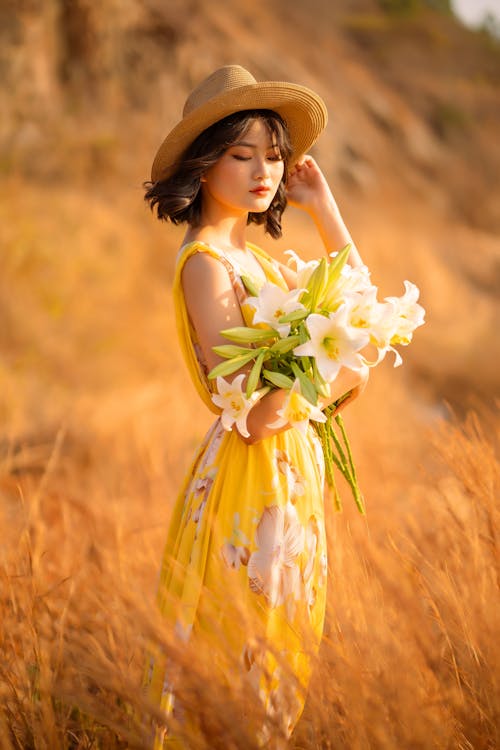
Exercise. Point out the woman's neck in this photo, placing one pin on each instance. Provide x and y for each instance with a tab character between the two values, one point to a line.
227	233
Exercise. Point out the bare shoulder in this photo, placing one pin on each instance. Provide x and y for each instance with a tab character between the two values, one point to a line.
204	271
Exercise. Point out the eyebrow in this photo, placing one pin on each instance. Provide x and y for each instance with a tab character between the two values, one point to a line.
253	145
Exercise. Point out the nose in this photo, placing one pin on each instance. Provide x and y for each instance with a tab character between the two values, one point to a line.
261	168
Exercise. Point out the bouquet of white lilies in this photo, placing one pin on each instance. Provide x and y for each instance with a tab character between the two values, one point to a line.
300	340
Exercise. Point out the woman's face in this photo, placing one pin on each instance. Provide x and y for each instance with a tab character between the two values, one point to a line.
245	178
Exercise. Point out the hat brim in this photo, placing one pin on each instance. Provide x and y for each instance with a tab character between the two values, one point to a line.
303	111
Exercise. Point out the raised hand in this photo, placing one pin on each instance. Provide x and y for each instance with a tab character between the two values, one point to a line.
307	187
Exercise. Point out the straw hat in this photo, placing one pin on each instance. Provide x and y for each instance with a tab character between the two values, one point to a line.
232	89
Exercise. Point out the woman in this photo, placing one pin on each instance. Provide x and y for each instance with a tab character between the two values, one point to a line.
244	571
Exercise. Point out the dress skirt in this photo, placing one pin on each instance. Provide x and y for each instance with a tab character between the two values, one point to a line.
243	575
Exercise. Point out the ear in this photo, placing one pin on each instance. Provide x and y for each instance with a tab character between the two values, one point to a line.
203	178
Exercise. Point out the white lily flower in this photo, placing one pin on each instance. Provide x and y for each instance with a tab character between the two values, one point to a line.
382	331
363	308
351	281
303	268
353	278
272	303
334	343
235	405
383	327
297	411
398	317
409	313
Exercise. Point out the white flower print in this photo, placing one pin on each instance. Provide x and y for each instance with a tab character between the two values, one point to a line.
273	569
323	568
319	456
282	702
295	481
233	556
311	549
214	445
252	657
203	484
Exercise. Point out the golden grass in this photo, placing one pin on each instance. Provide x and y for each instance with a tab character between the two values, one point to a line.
98	428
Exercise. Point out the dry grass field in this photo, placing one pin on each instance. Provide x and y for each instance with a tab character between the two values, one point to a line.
98	421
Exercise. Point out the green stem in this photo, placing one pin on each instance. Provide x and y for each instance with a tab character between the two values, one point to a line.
330	460
336	442
340	456
341	425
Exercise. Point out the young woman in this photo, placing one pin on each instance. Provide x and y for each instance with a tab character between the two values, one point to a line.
244	570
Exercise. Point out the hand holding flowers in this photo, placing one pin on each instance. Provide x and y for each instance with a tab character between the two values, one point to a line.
305	336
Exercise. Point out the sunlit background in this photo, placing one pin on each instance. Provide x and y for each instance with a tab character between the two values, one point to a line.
98	421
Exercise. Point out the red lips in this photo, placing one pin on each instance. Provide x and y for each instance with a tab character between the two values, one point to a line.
261	190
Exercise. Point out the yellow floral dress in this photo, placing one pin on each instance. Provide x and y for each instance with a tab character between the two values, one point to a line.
244	569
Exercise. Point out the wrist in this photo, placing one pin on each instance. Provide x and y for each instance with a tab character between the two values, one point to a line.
324	210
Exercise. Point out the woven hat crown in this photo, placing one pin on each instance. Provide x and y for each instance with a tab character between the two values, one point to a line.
225	79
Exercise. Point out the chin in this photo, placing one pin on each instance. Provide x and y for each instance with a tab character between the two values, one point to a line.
260	208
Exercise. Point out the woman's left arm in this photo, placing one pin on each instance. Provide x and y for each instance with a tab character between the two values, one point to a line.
308	189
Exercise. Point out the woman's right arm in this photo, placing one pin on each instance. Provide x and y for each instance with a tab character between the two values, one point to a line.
213	306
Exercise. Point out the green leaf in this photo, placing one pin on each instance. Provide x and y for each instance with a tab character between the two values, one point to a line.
285	345
250	285
254	376
277	379
247	335
294	316
338	262
334	271
305	299
306	386
321	385
306	365
230	350
231	365
303	335
317	283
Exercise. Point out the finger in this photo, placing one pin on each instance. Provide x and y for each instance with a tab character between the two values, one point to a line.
301	162
305	160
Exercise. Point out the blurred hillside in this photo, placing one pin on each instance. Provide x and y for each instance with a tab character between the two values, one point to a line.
98	422
412	147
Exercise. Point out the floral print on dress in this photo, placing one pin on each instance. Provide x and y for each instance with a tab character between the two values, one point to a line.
234	556
311	545
273	568
295	483
204	477
319	455
282	701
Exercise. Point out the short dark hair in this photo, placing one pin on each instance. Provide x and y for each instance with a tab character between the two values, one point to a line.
178	197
